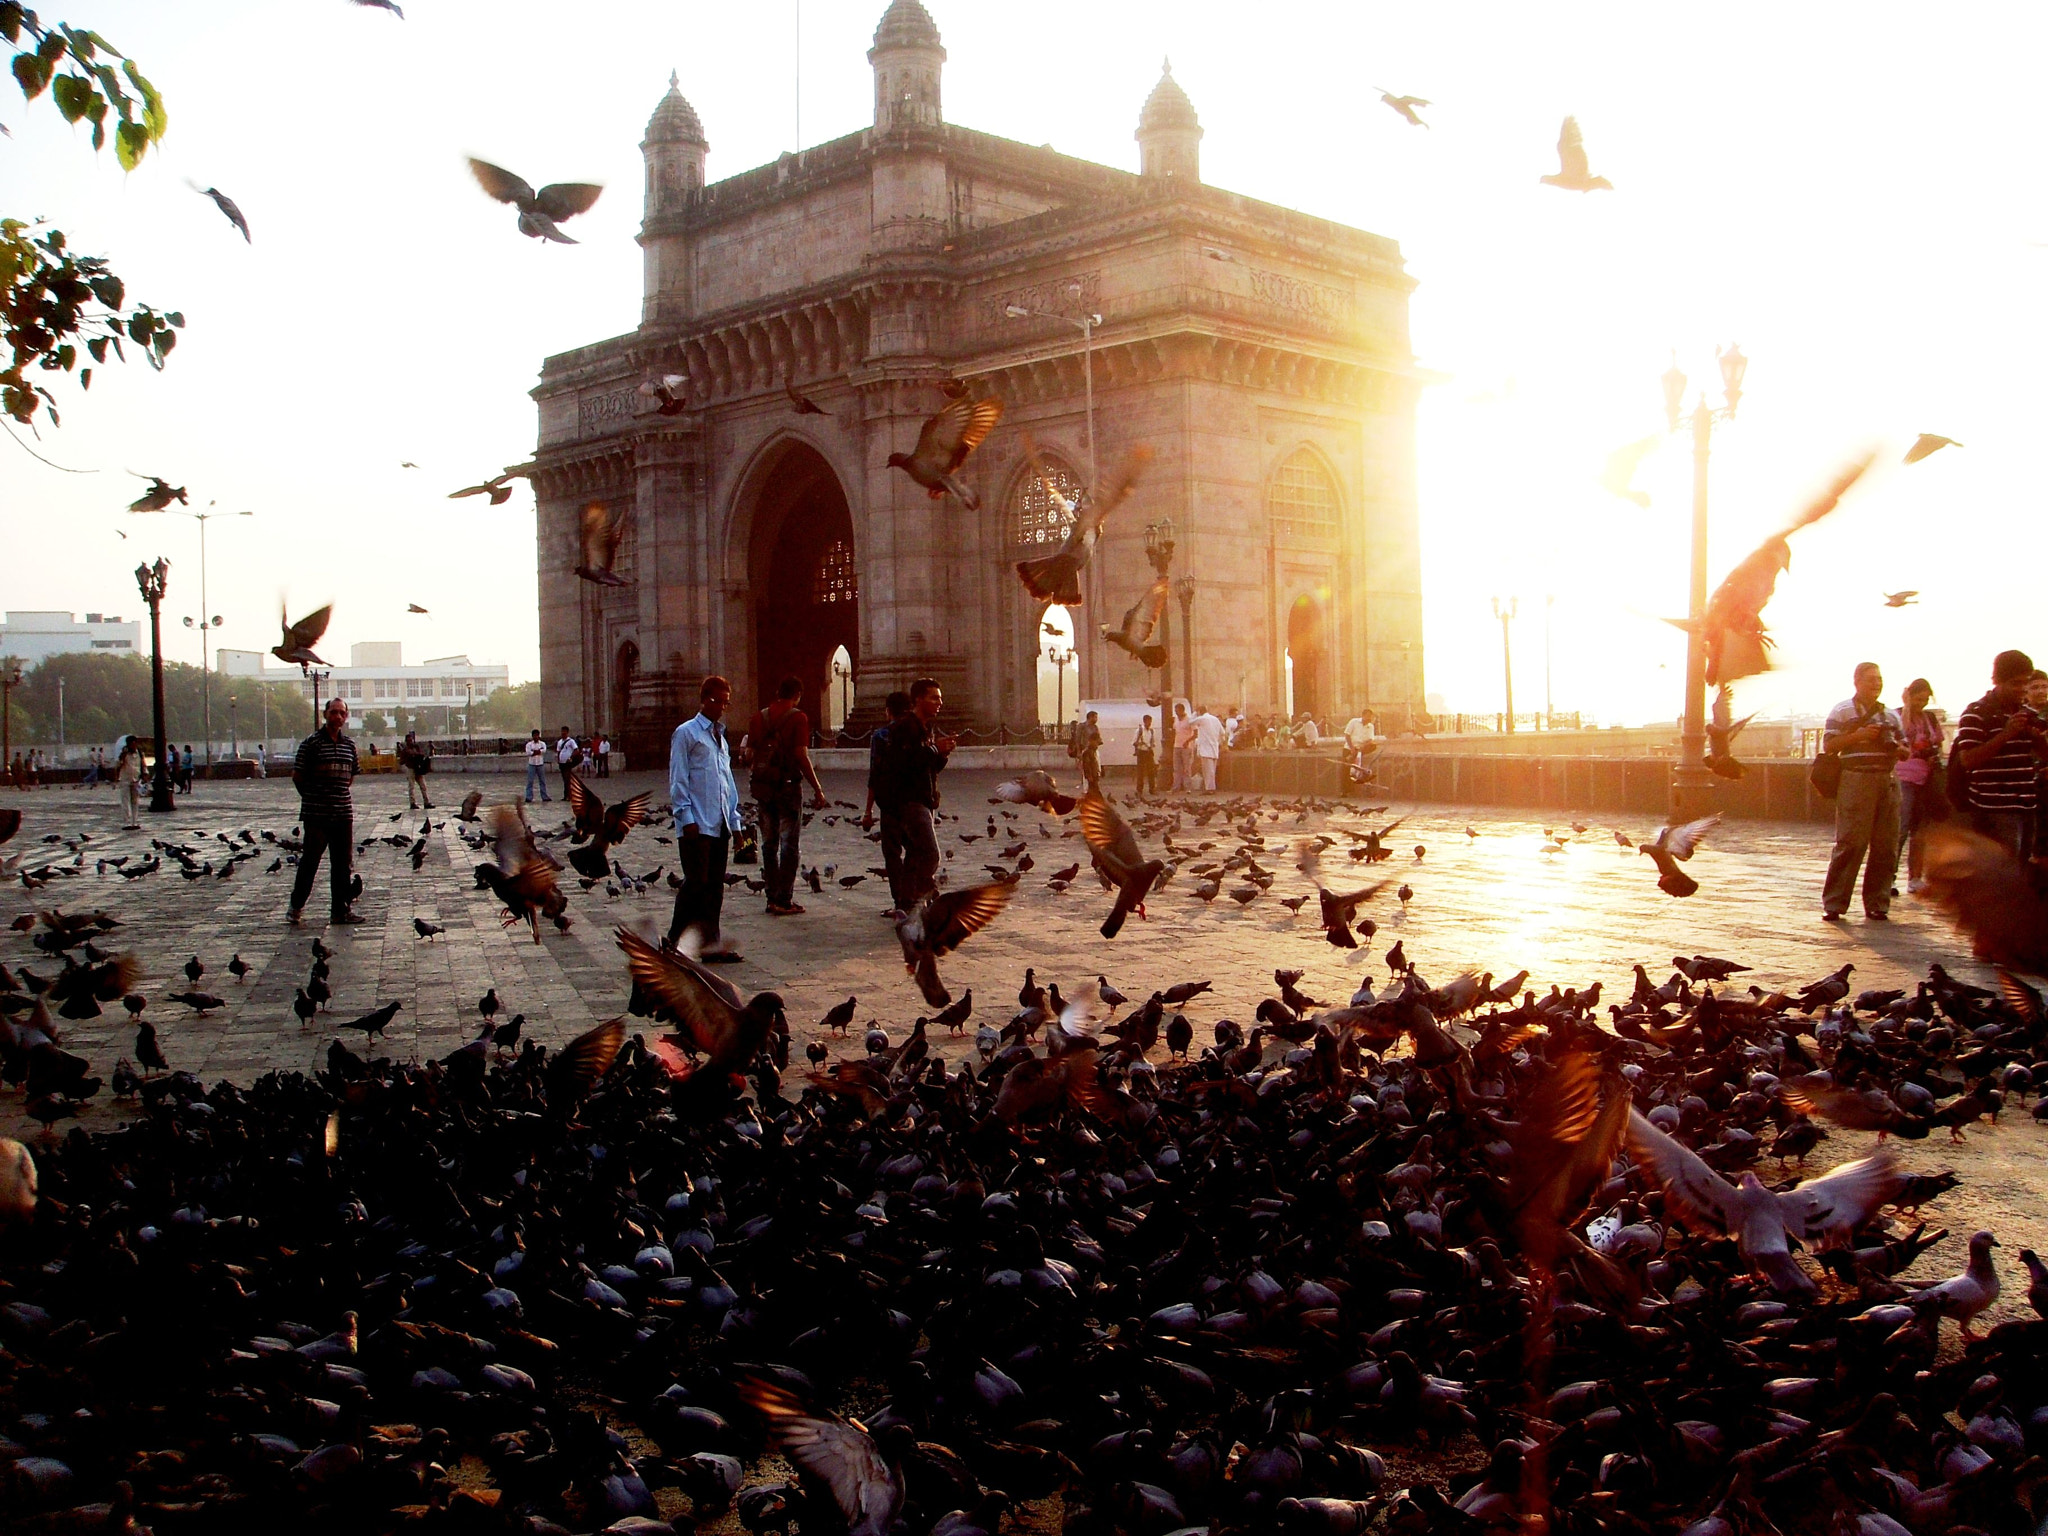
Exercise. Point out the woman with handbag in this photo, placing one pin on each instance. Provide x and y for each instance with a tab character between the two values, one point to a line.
1922	778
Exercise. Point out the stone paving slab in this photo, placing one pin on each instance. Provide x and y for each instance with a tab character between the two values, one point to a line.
1493	901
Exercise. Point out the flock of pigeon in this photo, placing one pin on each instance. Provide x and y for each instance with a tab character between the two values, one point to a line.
1437	1257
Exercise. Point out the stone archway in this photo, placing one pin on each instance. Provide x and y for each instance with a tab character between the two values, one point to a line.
803	586
1308	655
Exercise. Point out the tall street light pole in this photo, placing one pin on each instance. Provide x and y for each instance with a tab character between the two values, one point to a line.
1060	660
1692	783
205	625
1086	325
1506	615
151	579
1184	589
10	679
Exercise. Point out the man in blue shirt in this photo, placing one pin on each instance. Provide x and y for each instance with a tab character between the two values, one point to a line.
706	803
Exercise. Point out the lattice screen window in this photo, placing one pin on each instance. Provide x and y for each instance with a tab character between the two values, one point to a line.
835	581
1036	521
1301	500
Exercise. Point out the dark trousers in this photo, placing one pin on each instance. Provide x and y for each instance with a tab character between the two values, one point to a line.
335	837
1148	773
702	897
781	809
920	854
567	769
890	825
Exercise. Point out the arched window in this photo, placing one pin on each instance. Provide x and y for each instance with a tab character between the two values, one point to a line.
1302	501
1038	522
835	581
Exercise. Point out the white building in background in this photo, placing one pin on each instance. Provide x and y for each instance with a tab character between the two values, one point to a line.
377	678
34	637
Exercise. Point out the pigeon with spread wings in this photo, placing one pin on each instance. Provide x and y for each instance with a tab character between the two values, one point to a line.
940	924
1672	846
521	876
670	392
1405	105
498	488
1118	859
834	1457
160	495
1991	896
943	445
1722	729
601	534
1038	788
1736	643
539	212
1823	1211
1573	173
574	1070
296	648
707	1012
1141	623
604	825
1056	578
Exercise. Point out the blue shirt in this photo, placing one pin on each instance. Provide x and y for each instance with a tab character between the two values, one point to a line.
700	783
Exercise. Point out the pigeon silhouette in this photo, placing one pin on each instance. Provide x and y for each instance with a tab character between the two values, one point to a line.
539	212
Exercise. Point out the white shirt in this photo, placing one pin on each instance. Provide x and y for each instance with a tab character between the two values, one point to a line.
1208	735
1357	733
565	750
535	751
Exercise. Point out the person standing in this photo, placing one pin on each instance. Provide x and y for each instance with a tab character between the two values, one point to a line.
1996	757
128	783
536	766
604	755
1208	746
1183	749
778	752
565	757
92	769
1870	742
322	773
706	805
186	769
1145	748
262	762
1088	749
882	797
417	762
1920	800
917	753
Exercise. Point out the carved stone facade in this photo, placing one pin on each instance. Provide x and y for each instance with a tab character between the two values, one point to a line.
1260	353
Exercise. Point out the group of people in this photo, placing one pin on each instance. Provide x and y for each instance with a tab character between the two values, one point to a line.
568	754
1899	773
905	757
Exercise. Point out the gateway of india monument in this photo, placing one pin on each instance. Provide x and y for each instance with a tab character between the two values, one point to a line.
1261	354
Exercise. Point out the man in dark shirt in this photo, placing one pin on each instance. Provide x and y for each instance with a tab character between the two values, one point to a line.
882	797
778	748
322	773
916	755
1998	747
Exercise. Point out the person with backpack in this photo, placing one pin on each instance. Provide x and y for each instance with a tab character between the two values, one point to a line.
417	760
1994	767
778	751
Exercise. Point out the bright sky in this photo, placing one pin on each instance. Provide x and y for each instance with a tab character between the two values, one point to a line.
1849	191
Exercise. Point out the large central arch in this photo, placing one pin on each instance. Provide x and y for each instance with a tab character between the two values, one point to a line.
803	591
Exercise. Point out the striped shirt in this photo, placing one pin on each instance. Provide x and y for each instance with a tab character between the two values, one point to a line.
325	767
2011	780
1873	756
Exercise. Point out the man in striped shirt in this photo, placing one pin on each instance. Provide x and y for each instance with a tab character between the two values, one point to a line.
322	773
1869	740
1998	747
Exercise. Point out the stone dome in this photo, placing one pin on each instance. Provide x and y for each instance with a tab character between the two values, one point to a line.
1168	105
906	24
675	121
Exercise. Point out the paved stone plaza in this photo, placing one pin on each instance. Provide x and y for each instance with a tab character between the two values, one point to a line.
1495	902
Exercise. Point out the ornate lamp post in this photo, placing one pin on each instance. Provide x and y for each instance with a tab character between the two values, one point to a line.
150	579
10	679
468	708
842	674
1506	615
1184	589
204	624
1692	784
1060	660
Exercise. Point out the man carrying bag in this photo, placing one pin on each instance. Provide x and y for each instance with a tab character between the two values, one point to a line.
778	749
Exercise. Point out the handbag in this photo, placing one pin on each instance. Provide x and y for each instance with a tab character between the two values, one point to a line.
1826	774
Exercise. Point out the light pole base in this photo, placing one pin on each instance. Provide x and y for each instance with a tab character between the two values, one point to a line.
1695	792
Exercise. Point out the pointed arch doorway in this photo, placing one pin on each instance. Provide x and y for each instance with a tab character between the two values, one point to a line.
1307	658
805	592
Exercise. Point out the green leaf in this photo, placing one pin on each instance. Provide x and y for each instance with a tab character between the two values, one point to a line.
85	378
139	327
131	143
74	95
99	134
108	290
51	49
177	318
163	341
98	348
31	73
10	20
152	104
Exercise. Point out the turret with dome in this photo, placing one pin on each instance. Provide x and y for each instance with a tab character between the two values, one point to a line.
1262	355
